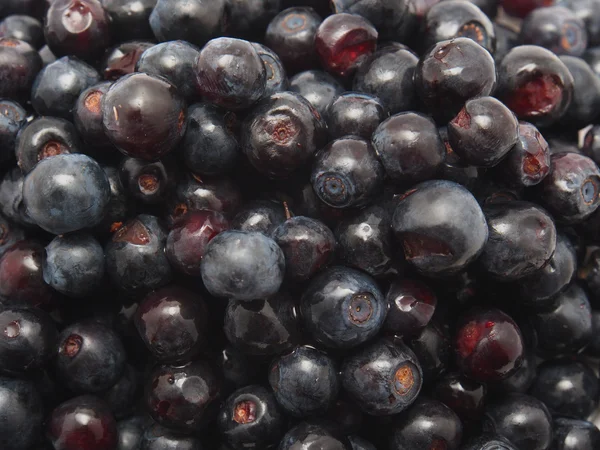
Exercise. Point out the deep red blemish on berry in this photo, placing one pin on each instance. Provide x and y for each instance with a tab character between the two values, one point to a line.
462	119
419	246
134	232
468	338
489	324
245	412
72	345
538	96
163	407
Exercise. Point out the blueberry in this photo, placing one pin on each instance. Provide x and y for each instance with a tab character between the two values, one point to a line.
583	109
427	424
74	264
347	173
521	380
488	442
91	357
59	84
87	116
82	422
174	61
344	41
157	437
129	19
21	414
522	240
238	368
261	216
433	349
173	324
10	234
27	339
464	396
143	116
411	305
570	434
168	401
388	75
250	19
230	73
383	378
489	345
569	388
66	193
22	27
135	257
291	34
281	134
148	182
122	59
483	132
434	238
342	308
19	66
313	435
262	327
354	113
277	80
122	395
304	381
409	147
130	432
307	244
318	87
12	118
119	207
243	266
591	144
452	72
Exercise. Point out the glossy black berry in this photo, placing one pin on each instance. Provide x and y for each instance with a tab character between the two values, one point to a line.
464	396
157	437
19	65
570	434
411	305
277	80
12	118
24	28
21	414
129	18
87	116
586	94
306	435
122	59
148	182
318	87
354	113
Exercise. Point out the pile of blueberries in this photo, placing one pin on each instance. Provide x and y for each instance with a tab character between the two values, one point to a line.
299	224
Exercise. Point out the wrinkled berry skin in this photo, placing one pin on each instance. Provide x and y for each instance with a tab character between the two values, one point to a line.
173	61
59	84
188	238
577	199
79	28
489	345
304	381
308	435
91	357
60	207
556	28
262	327
451	73
87	115
365	240
528	162
318	87
22	414
242	266
135	258
413	429
209	147
456	18
12	118
230	74
172	337
281	134
570	434
411	305
409	147
27	341
354	113
535	84
539	288
464	396
44	137
436	241
291	34
568	388
157	437
344	41
566	327
168	402
19	66
483	132
194	21
143	116
522	240
522	419
82	422
74	264
383	378
307	244
342	308
388	75
347	173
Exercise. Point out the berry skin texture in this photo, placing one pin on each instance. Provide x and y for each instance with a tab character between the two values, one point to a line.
281	134
87	116
156	437
483	132
83	422
342	308
344	41
12	118
304	381
242	266
464	396
383	378
230	74
572	434
411	305
19	66
22	414
354	113
347	173
143	116
435	240
307	435
489	345
318	87
66	193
